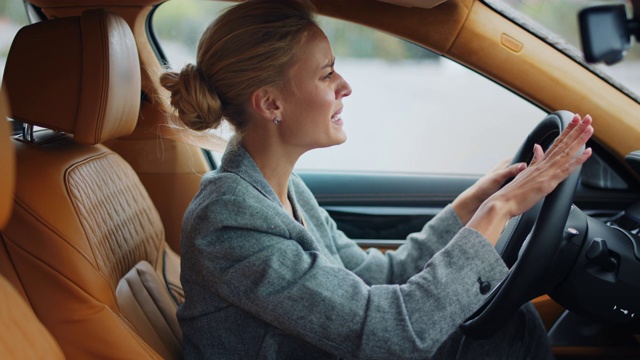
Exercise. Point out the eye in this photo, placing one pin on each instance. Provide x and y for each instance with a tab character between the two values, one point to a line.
328	76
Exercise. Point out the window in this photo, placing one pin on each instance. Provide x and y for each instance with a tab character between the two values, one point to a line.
13	16
178	25
408	112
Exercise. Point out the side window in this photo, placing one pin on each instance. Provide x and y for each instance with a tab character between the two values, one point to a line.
13	16
411	110
178	24
414	111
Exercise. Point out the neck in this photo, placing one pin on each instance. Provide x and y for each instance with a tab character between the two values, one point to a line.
275	162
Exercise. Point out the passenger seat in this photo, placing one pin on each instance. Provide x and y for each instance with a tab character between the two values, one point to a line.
85	240
22	335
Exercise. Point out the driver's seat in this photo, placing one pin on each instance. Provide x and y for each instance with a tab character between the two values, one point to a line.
85	239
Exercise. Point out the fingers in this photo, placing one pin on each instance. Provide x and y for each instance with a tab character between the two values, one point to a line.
580	159
572	125
565	156
567	145
518	168
572	138
547	170
575	121
513	170
509	172
581	131
566	169
538	154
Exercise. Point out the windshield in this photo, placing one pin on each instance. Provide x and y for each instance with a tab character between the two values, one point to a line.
556	21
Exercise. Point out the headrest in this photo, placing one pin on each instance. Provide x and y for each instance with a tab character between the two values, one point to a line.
79	75
7	163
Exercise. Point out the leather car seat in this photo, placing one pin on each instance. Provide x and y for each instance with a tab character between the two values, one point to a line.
85	239
22	335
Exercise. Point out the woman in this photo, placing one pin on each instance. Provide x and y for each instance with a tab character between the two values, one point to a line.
266	273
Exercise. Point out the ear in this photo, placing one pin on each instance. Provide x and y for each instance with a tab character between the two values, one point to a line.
265	102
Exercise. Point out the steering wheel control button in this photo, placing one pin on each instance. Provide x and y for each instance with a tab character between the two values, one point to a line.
598	255
597	249
485	286
571	234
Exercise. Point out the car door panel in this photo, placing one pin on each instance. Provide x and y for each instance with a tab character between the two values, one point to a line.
380	210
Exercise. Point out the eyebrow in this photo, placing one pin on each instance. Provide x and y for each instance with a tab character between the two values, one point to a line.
330	64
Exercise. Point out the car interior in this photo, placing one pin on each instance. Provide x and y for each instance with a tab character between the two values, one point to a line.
96	179
26	337
103	241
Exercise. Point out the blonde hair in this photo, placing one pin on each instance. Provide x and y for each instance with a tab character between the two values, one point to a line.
251	45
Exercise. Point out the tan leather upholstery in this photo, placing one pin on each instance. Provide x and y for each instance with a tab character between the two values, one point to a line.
96	103
22	335
152	311
7	164
83	225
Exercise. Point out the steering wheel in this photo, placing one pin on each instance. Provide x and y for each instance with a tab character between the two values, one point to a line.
530	259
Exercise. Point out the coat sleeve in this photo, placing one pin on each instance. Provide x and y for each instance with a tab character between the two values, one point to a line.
253	265
373	266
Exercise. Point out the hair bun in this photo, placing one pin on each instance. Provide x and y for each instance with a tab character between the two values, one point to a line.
198	105
233	62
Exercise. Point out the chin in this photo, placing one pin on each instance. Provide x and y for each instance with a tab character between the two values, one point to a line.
336	140
340	138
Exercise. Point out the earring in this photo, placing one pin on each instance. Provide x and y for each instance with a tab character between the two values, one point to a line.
276	120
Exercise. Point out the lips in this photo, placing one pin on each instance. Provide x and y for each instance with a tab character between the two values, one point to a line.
337	118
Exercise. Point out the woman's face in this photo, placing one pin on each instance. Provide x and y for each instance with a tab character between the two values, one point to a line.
312	101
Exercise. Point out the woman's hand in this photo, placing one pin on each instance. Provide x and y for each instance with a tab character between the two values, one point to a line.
535	182
467	203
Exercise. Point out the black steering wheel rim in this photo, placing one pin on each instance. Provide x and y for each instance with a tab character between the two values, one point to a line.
526	278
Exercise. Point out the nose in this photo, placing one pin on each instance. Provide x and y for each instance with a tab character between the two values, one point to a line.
343	89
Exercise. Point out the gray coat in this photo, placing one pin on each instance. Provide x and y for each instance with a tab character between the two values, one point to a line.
260	285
